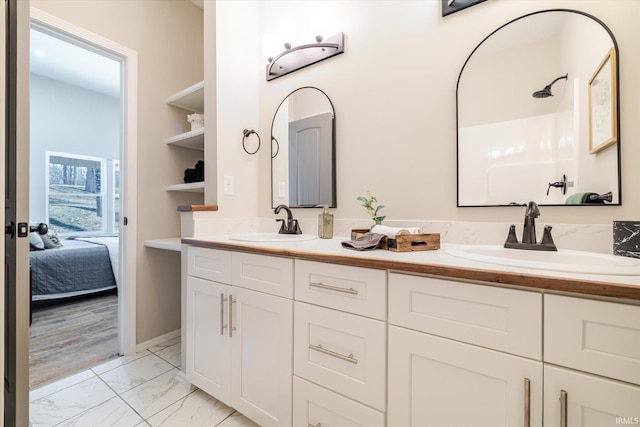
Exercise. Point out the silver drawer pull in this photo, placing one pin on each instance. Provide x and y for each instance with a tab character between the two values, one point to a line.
563	408
334	288
321	349
222	324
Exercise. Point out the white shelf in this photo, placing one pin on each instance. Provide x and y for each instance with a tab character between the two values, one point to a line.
169	244
194	187
191	98
193	139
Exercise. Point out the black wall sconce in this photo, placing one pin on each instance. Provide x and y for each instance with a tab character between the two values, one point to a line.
295	58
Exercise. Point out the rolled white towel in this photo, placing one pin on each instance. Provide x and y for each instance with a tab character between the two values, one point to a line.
392	232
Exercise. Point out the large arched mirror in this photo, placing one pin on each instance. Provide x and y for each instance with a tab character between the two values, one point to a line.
538	114
303	150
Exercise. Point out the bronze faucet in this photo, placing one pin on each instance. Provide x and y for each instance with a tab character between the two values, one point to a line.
529	233
291	225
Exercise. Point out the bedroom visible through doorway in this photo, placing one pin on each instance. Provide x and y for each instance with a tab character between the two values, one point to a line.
76	128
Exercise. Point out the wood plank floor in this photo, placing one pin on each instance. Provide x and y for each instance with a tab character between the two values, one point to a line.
71	337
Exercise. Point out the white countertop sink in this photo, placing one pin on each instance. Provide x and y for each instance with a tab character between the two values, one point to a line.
562	260
271	237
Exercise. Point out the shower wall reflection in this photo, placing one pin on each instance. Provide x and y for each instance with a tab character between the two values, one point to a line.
511	144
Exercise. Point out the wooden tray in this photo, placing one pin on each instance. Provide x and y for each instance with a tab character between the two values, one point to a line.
405	242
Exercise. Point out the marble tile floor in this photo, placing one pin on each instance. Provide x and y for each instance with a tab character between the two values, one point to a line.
140	390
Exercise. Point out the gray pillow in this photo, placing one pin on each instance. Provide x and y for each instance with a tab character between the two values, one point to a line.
35	242
51	240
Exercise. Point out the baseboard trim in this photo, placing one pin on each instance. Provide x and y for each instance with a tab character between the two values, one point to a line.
157	340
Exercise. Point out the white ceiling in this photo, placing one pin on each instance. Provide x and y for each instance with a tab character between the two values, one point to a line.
70	63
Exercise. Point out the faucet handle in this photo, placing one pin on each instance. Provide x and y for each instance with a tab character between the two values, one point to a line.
283	229
547	239
295	227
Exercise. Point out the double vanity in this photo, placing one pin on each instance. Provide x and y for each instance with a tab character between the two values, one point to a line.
298	331
291	330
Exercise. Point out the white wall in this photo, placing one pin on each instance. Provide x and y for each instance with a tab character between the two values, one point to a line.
394	94
67	119
168	37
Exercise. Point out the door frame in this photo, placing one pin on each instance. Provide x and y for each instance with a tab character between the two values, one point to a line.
3	55
128	166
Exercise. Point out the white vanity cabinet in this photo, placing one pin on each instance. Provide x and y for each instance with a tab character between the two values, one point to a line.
239	340
339	346
305	343
449	361
601	339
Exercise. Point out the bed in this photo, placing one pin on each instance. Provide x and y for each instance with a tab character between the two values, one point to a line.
78	267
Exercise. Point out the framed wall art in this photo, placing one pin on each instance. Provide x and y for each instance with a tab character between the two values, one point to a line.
603	104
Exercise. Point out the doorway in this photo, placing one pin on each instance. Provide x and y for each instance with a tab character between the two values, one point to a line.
83	143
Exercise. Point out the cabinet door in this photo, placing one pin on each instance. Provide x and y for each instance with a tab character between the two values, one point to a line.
591	401
261	354
207	342
438	382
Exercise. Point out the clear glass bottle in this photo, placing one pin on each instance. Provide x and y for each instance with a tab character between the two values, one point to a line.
325	224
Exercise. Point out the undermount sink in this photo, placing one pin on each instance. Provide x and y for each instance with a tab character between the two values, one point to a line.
562	260
271	237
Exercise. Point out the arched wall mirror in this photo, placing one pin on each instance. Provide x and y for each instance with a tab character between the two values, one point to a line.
537	114
303	151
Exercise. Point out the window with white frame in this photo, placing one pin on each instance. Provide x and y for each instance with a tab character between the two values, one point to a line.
81	194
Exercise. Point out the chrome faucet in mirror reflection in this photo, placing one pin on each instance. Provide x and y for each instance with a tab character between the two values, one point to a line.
529	241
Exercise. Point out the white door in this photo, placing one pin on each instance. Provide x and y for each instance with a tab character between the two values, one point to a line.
208	345
588	400
311	161
262	357
442	383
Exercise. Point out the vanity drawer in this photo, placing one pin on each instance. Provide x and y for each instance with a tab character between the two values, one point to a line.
502	319
341	351
268	274
353	289
317	406
209	264
594	336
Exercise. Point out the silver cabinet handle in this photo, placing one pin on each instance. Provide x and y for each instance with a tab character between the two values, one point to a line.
334	288
231	327
222	324
321	349
563	408
527	402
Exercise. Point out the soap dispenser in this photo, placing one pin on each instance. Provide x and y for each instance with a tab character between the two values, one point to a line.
325	224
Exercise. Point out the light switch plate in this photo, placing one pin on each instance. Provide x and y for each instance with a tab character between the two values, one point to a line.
228	185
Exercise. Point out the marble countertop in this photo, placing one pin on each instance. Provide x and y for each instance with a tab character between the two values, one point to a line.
435	262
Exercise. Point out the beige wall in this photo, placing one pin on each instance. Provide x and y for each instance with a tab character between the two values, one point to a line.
168	37
394	93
